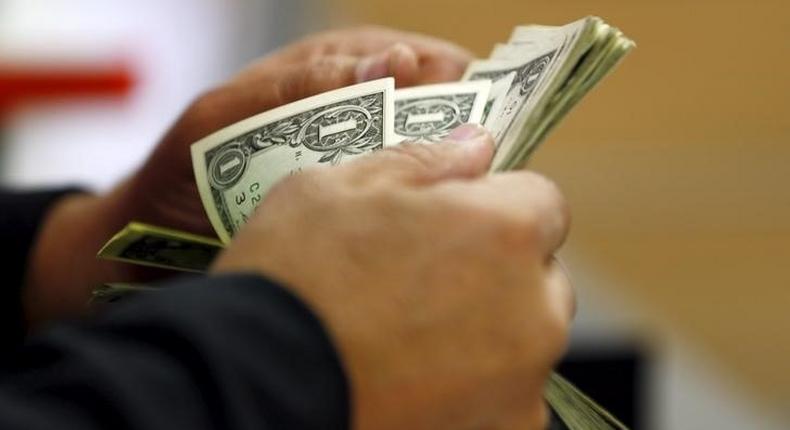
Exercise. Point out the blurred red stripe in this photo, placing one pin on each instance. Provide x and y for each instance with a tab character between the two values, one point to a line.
21	84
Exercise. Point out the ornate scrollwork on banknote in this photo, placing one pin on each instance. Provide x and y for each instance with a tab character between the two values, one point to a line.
236	166
506	101
431	112
431	117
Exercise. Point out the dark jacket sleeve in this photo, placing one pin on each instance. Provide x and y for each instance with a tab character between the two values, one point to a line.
222	352
21	213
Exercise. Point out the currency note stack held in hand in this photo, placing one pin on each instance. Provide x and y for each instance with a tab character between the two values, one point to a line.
520	93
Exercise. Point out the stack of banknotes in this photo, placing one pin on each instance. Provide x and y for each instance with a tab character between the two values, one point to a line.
519	94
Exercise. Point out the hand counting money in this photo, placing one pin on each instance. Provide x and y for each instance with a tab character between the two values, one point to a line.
520	93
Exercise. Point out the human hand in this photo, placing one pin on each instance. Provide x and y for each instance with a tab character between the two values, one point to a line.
435	280
63	268
314	65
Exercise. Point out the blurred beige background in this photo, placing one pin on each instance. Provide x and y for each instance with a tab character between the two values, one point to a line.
677	166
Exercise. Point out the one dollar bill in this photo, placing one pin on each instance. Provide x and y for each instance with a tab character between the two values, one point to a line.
430	112
116	291
236	166
577	410
538	76
149	245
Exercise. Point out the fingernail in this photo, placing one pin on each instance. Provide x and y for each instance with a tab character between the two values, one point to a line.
373	67
467	132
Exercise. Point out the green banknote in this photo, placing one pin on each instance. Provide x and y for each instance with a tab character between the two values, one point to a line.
538	76
116	291
161	247
576	410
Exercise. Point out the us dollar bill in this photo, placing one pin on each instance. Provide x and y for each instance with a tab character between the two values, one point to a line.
112	292
236	166
528	75
149	245
538	76
577	410
608	47
431	112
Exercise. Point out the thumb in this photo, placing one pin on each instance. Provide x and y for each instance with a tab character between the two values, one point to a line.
466	153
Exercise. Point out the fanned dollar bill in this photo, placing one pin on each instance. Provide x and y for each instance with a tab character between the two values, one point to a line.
236	166
538	76
431	112
576	410
161	247
114	292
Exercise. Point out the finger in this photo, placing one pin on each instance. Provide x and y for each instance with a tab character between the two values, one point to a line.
535	212
525	408
258	89
399	61
561	296
331	72
525	417
255	91
425	46
538	201
465	153
317	76
370	40
434	60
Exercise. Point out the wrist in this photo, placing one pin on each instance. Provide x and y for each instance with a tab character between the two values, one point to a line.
62	266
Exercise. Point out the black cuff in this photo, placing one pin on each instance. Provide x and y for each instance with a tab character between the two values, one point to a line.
230	352
255	333
21	214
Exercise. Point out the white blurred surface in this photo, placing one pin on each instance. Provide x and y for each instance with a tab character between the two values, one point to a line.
178	48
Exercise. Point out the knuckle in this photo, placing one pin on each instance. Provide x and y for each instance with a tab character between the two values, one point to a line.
323	64
207	113
541	182
544	216
559	210
552	193
518	233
